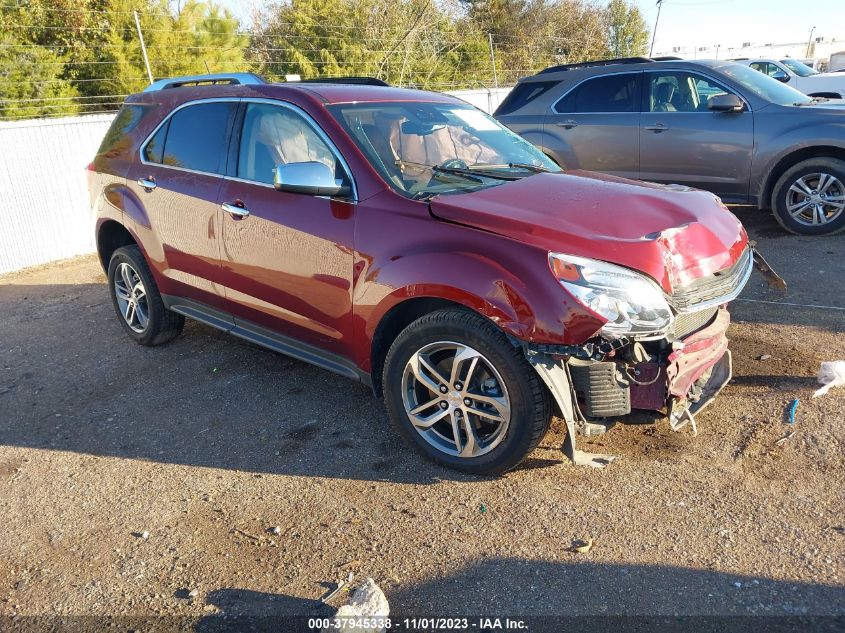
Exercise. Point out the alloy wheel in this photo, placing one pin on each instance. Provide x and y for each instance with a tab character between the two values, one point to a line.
816	199
456	399
131	297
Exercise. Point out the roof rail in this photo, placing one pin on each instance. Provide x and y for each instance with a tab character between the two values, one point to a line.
364	81
598	62
668	58
212	79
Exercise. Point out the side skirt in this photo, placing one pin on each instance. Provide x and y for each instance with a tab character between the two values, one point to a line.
264	337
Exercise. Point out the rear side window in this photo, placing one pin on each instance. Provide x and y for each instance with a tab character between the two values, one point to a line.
611	93
193	138
523	94
116	140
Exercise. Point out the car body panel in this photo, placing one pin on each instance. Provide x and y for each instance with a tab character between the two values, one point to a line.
288	265
606	142
669	233
708	150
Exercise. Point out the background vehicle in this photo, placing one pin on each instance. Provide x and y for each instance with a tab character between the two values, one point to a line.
800	76
408	240
708	124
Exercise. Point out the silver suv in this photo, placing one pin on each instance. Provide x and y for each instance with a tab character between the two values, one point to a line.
713	125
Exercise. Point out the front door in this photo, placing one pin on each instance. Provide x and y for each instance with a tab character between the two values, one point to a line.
596	126
287	257
682	141
177	183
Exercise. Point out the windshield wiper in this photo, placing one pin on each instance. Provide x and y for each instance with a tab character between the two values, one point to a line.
535	168
473	173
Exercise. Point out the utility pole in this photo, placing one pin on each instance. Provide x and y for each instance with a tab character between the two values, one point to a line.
656	22
143	47
810	42
493	60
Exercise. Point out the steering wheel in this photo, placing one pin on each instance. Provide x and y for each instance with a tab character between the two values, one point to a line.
454	163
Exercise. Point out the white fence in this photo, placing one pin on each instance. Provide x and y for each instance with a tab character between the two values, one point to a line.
44	206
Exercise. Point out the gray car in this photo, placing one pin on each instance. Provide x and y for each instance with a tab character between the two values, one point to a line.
713	125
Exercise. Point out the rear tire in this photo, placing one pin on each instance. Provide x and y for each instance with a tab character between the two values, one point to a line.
494	394
809	199
137	301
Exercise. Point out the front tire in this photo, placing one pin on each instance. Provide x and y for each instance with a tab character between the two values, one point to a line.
809	199
137	301
459	392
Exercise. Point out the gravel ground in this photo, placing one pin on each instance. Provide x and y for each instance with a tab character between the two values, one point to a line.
146	482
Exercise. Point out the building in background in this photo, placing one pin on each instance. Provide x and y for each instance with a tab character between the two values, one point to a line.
822	50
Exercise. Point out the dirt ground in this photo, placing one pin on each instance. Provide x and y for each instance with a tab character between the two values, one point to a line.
137	481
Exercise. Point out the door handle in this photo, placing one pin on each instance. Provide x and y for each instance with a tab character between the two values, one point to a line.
656	128
567	124
235	210
147	183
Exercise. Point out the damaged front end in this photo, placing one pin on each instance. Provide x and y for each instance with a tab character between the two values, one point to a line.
673	366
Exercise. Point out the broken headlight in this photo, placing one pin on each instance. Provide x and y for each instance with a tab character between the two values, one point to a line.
631	303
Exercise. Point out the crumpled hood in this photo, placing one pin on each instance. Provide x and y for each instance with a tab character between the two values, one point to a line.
673	234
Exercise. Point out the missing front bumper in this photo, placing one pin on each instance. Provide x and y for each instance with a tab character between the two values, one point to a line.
679	383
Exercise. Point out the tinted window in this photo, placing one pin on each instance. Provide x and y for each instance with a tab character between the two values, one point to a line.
117	140
612	93
273	135
523	94
154	149
196	137
679	92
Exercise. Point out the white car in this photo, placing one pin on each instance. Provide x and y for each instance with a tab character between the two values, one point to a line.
800	76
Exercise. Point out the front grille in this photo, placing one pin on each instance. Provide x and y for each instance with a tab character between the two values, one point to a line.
688	322
715	289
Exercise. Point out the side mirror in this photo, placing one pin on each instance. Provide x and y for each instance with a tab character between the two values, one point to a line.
781	77
311	178
725	103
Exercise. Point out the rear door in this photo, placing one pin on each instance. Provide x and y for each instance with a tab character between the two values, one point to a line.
682	141
596	125
177	182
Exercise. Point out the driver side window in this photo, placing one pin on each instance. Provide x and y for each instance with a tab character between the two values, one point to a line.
275	135
679	92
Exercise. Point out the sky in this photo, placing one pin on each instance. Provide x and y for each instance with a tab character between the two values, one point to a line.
731	22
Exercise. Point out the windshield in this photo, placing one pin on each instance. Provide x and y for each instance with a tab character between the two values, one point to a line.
424	149
800	69
764	86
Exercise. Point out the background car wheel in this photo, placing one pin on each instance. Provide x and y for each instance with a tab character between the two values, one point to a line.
809	199
137	301
463	395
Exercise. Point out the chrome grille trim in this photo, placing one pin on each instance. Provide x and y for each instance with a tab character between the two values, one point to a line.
716	289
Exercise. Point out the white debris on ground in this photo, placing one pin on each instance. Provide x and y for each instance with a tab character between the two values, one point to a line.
831	374
367	601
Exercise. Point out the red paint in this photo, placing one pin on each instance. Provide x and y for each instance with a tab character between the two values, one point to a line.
326	272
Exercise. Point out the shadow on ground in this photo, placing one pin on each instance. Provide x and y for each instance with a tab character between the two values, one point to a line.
557	596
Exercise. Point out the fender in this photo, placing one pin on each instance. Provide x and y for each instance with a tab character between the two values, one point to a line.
516	291
802	141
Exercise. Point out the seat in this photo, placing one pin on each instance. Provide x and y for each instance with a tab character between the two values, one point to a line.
663	98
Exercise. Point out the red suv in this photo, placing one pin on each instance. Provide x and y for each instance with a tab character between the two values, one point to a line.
407	240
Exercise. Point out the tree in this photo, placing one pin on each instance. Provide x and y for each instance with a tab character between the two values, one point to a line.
627	33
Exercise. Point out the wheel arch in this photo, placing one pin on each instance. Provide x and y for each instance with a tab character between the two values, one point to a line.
111	235
790	160
396	319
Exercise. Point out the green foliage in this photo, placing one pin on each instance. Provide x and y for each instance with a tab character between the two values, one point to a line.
69	56
30	82
627	33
